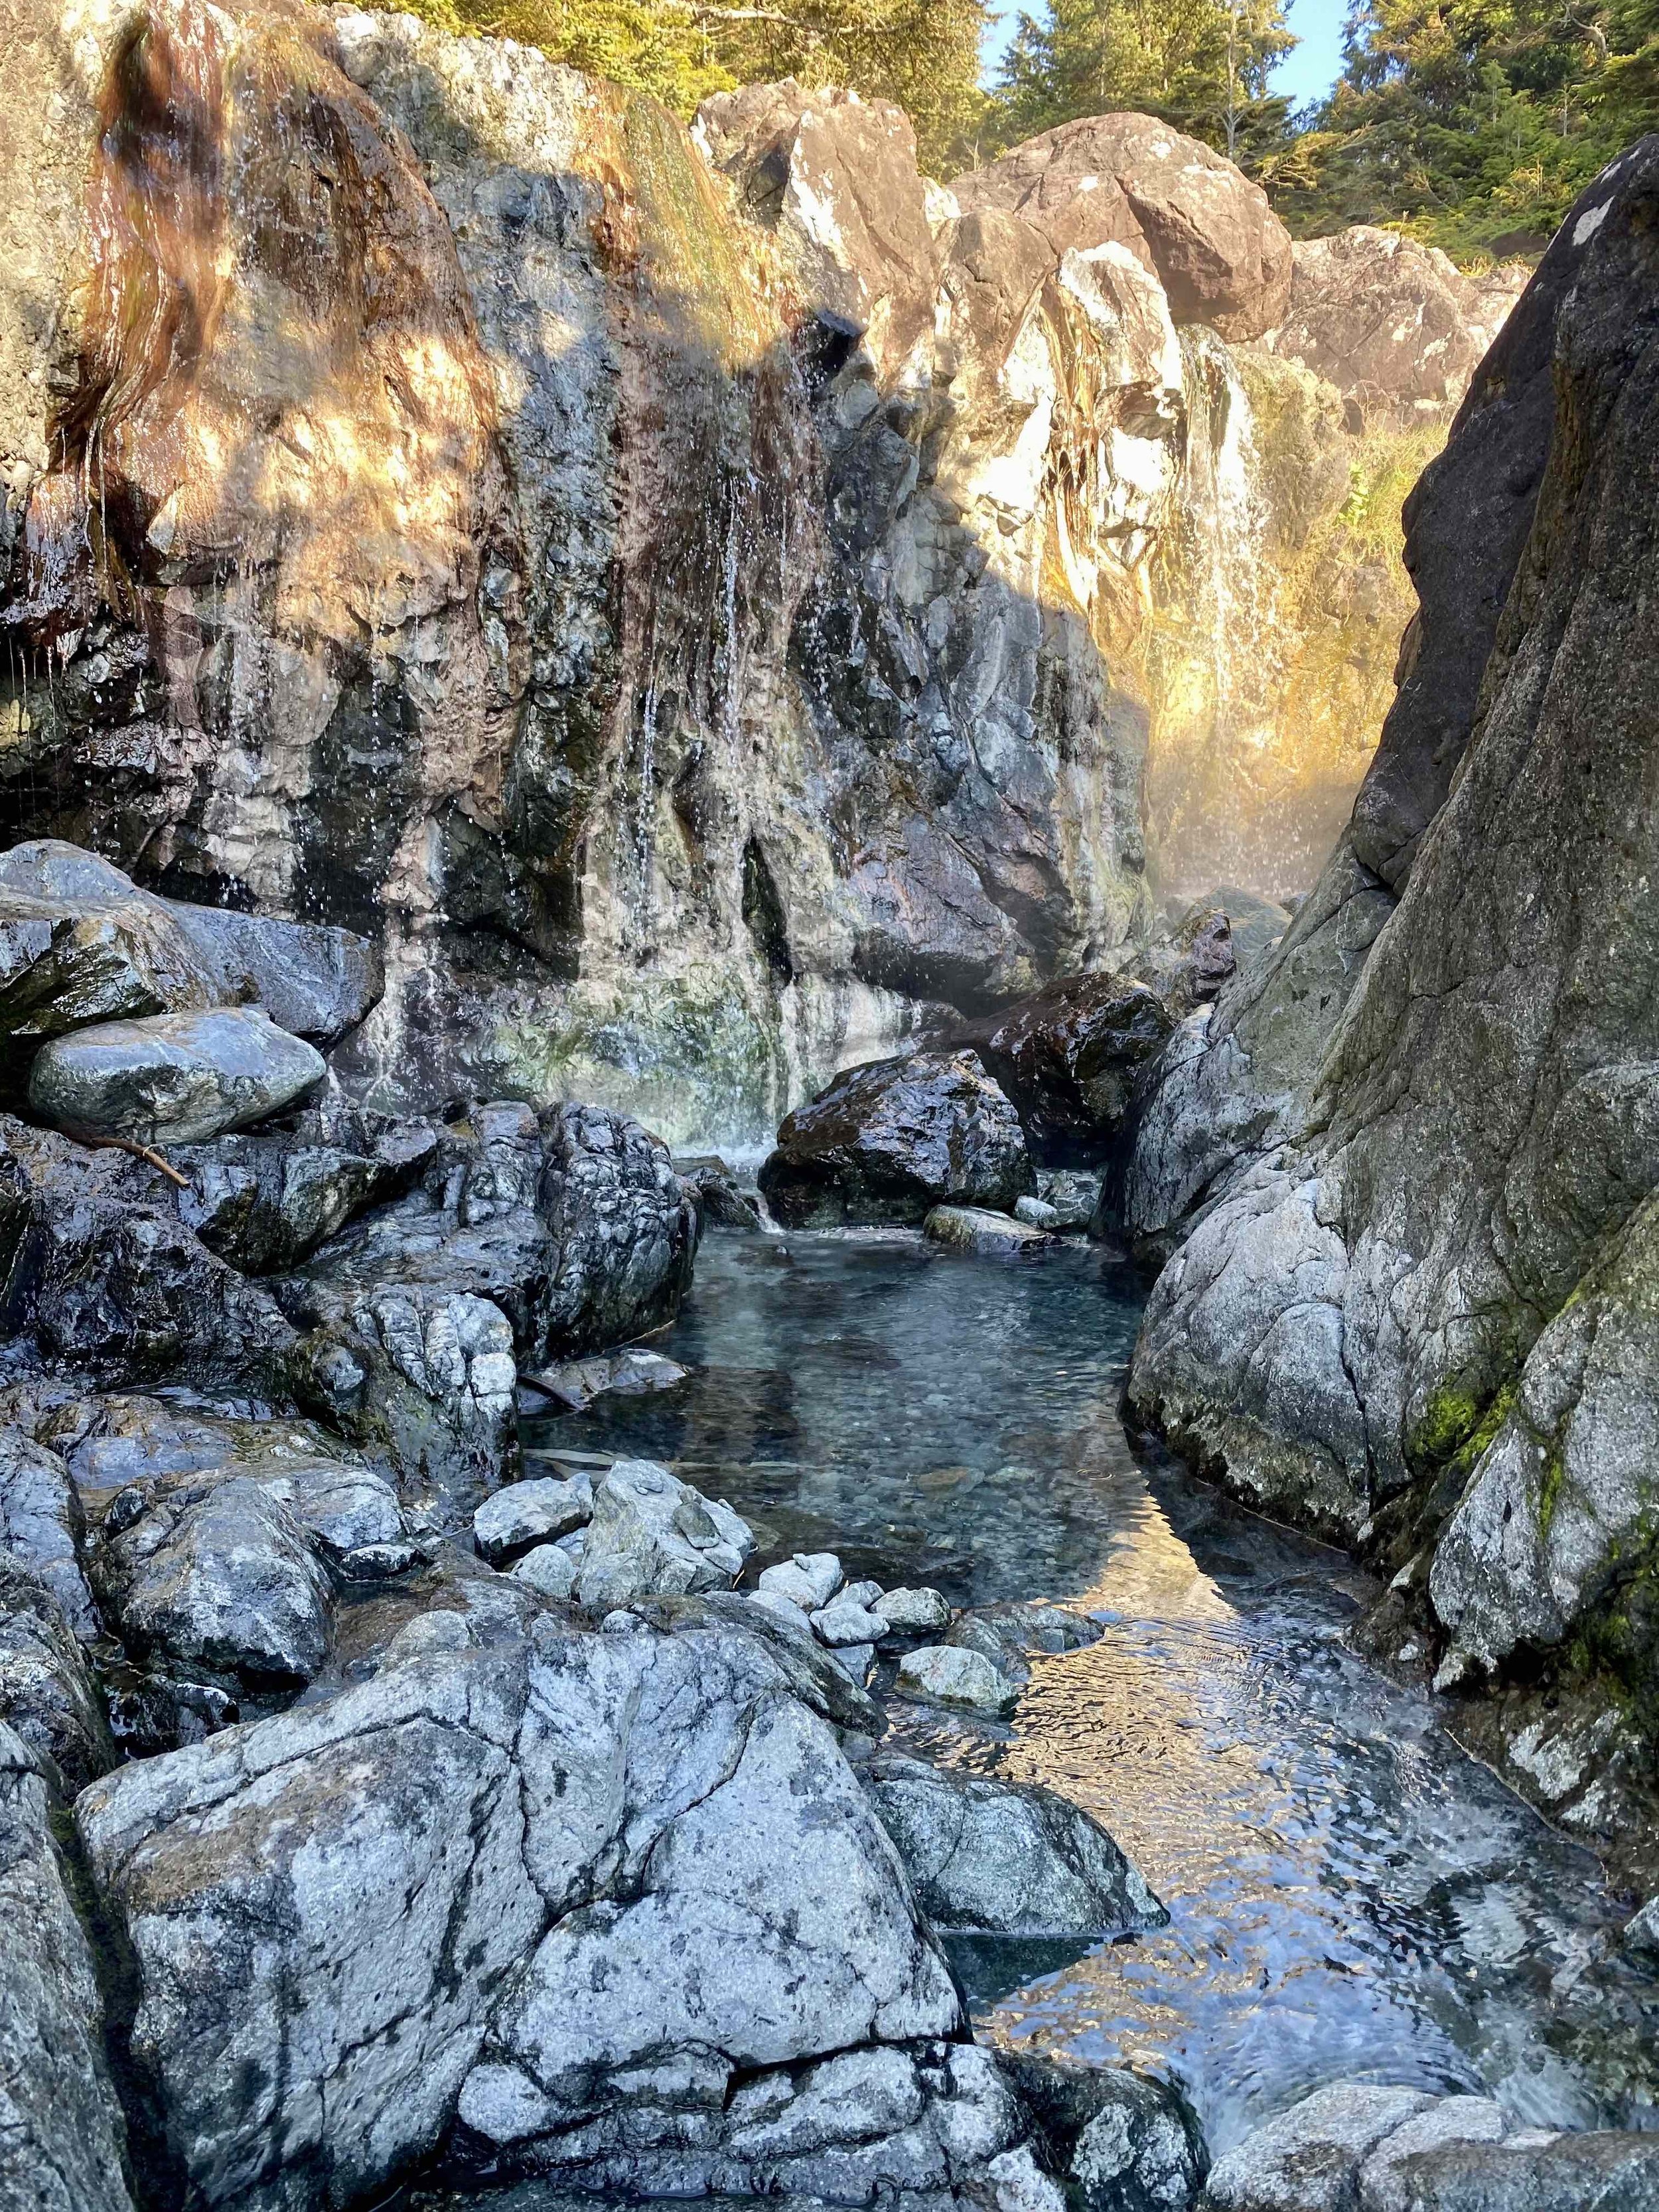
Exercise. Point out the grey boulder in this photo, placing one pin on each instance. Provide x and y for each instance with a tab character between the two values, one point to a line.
172	1079
889	1140
535	1512
62	2138
576	1877
42	1524
219	1577
653	1536
1308	2159
48	1694
1006	1858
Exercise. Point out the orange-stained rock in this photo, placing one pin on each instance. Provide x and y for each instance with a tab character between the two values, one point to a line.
1198	223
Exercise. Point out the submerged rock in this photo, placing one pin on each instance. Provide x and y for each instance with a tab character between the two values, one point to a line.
888	1141
63	2144
1006	1858
173	1079
972	1229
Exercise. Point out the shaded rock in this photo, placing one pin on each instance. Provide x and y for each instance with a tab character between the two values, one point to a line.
1308	2159
1006	1858
315	982
42	1524
1394	325
1067	1058
47	1692
888	1141
1037	1214
265	1203
172	1079
715	1191
651	1534
1189	967
1207	233
1640	1938
499	1814
945	1674
971	1229
218	1577
533	1512
916	1612
63	2144
100	1273
1073	1195
1127	2143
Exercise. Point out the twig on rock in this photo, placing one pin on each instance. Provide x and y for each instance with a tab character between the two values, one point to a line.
139	1152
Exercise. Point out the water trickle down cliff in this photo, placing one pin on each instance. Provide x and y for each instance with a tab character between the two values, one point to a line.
702	624
1277	601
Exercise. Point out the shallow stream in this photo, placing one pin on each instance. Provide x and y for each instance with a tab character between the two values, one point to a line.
1350	1894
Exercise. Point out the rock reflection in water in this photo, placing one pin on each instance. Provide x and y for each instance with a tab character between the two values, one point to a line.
1350	1894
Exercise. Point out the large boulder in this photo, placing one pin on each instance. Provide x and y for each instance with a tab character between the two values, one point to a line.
576	1877
889	1141
1394	325
80	942
623	1229
1067	1058
172	1079
1205	230
265	1202
62	2143
1008	1858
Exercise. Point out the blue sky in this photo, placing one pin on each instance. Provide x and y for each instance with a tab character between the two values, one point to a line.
1306	73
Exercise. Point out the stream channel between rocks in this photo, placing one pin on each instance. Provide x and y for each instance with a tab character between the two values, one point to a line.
1350	1896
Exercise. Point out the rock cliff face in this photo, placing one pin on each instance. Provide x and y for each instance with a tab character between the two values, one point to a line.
1413	1154
696	603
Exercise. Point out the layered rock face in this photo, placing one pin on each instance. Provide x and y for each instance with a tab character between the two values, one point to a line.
1410	1156
694	605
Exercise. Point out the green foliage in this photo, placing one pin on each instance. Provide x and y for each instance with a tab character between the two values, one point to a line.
1200	64
922	53
1471	123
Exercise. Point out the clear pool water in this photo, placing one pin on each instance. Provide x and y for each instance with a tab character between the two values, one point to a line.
1350	1894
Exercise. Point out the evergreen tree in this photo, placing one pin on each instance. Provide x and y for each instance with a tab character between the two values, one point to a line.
1472	124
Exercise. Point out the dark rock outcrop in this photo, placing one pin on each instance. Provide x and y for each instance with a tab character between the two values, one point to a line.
890	1141
1067	1059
